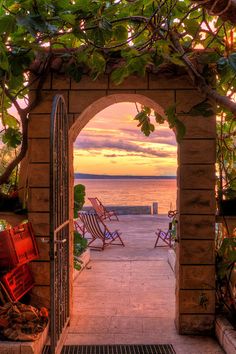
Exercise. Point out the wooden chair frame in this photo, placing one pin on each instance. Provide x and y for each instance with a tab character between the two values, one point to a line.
167	236
101	210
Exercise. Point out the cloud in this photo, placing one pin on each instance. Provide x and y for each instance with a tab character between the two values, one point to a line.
162	136
91	144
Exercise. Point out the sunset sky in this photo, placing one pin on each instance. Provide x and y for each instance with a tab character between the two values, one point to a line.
111	143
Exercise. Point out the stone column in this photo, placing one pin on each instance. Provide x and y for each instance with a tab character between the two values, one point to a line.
195	271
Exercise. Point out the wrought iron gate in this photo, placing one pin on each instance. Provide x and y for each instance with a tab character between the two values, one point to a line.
59	221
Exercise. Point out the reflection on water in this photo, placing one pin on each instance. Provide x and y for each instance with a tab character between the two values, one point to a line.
132	192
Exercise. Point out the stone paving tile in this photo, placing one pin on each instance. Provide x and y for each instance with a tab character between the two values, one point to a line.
127	297
93	338
91	324
122	324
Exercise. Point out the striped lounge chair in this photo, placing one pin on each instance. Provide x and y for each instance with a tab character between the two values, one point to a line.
99	231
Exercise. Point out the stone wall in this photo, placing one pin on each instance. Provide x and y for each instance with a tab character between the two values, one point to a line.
196	200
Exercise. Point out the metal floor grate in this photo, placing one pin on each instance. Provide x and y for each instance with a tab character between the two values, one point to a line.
115	349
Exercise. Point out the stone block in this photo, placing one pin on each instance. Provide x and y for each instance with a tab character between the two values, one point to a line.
38	200
186	99
10	347
123	95
45	104
197	202
39	150
39	175
79	100
197	177
43	248
60	82
197	151
39	126
132	82
226	335
41	272
164	98
72	119
196	226
197	252
40	296
158	81
197	324
34	82
197	277
40	223
36	347
86	83
190	301
199	127
12	218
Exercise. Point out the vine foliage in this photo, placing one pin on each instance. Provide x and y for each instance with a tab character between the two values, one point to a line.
124	37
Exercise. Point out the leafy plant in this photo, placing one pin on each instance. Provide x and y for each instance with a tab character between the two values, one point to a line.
226	157
80	243
79	198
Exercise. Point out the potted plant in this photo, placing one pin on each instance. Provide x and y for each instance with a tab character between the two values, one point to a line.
81	253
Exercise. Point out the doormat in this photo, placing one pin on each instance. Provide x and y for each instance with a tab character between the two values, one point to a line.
116	349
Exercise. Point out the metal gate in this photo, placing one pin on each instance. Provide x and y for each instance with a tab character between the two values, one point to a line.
59	222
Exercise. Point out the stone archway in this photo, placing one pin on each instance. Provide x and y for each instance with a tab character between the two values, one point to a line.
195	270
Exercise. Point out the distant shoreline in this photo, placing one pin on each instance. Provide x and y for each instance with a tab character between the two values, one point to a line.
93	176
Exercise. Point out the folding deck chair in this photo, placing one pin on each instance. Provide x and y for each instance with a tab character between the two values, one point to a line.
168	236
101	211
99	231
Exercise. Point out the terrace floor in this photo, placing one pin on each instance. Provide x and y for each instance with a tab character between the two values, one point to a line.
127	295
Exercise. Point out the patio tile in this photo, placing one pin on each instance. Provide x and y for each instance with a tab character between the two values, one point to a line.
90	324
128	295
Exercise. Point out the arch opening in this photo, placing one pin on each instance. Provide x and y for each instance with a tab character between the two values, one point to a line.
141	226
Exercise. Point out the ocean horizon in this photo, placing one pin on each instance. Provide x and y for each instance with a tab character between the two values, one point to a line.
132	192
78	175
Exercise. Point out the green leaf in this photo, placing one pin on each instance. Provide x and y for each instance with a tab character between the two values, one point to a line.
104	24
7	24
12	137
97	63
192	26
74	71
180	130
4	63
10	121
232	61
159	119
69	18
120	33
170	112
119	74
222	63
176	60
175	123
203	108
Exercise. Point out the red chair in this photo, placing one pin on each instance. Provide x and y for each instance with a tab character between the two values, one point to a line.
169	236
